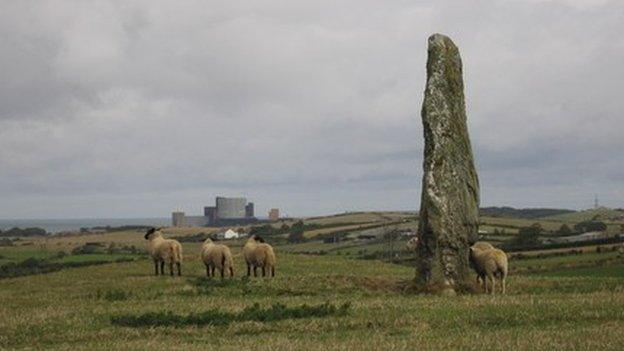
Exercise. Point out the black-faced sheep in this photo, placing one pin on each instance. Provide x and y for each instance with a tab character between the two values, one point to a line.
217	256
163	250
257	253
490	264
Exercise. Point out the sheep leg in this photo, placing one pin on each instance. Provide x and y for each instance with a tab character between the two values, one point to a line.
263	272
503	284
222	270
156	266
272	271
485	285
171	268
248	270
255	271
207	271
493	281
179	269
162	267
231	271
212	269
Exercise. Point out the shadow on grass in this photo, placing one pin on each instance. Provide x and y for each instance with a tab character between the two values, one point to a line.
217	317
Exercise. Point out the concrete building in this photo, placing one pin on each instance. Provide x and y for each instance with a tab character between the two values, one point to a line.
274	214
211	213
196	221
249	210
227	211
231	207
178	219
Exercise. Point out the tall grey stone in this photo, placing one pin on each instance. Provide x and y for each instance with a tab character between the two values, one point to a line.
450	187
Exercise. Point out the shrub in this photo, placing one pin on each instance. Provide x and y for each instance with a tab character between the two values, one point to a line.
217	317
590	226
528	236
24	232
88	248
296	232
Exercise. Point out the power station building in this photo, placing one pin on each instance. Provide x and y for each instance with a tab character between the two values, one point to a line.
227	211
274	214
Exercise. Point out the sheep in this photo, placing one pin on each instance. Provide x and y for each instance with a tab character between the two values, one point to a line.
217	256
412	244
163	250
490	264
257	253
482	245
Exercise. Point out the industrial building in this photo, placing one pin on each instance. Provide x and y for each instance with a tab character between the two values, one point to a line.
274	214
227	211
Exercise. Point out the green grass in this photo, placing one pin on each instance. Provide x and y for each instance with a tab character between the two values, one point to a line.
615	271
601	213
16	254
123	306
557	262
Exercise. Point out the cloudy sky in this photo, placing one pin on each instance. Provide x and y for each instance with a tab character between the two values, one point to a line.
136	108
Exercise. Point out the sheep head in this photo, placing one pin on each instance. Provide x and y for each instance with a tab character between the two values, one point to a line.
149	232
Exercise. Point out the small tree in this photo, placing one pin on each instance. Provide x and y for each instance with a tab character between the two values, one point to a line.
296	232
285	228
528	236
564	230
590	226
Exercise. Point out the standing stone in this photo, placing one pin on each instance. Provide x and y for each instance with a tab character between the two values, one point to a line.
450	187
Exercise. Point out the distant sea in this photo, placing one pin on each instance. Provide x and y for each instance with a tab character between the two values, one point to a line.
64	225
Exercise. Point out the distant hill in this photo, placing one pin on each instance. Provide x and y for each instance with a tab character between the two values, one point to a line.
524	213
600	214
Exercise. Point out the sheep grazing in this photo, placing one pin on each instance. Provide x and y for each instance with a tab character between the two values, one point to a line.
481	245
490	264
412	244
257	253
217	256
163	250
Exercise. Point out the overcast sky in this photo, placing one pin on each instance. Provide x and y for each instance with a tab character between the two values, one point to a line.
136	108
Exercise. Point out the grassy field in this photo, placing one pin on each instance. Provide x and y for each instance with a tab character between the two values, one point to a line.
601	213
561	308
325	296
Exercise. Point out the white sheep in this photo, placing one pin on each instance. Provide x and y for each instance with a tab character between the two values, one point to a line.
217	256
489	264
163	250
412	244
481	245
257	253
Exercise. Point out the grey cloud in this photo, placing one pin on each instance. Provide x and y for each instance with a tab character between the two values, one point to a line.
138	107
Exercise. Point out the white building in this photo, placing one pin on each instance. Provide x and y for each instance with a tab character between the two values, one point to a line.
228	234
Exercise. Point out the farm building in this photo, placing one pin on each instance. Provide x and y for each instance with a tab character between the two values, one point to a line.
228	234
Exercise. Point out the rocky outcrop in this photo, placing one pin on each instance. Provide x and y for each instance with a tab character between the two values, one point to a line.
450	187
